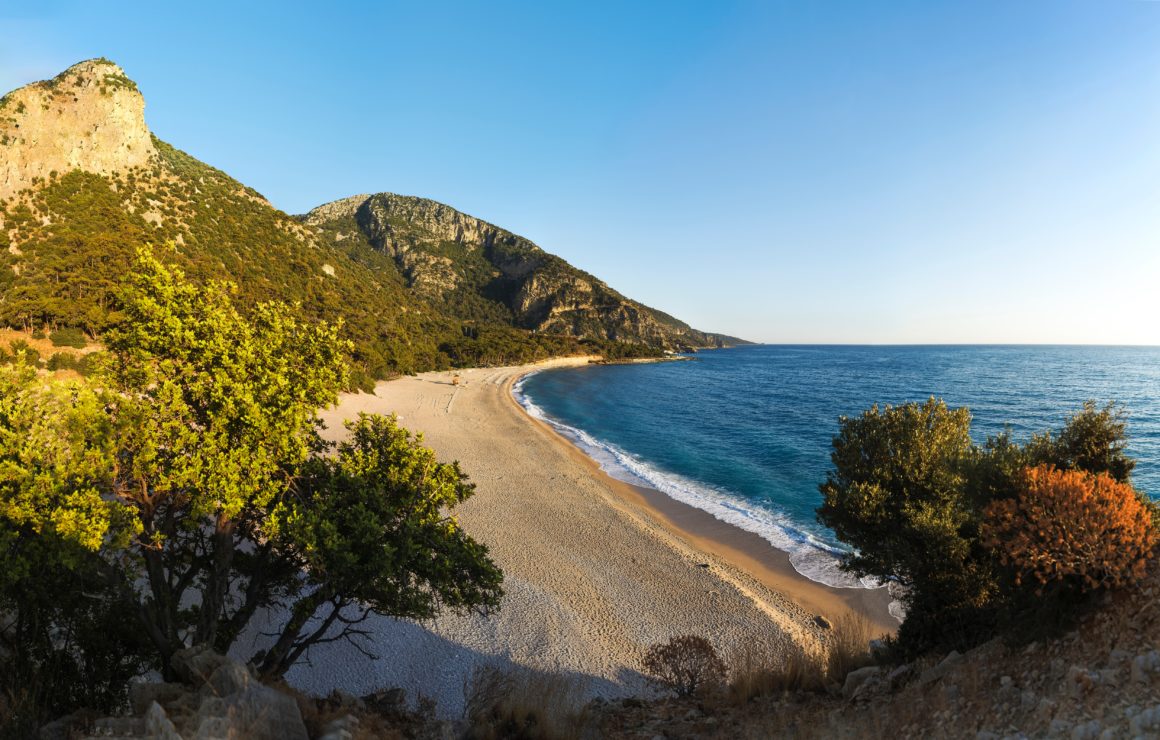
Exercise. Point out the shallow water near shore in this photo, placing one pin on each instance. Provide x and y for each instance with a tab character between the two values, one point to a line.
745	433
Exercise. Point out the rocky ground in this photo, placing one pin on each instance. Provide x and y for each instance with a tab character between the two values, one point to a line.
1099	681
218	697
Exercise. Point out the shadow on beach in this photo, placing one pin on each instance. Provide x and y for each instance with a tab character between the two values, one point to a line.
412	656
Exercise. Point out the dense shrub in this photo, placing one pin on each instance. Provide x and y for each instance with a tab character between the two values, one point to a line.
1072	529
685	665
31	356
69	337
1094	439
69	635
911	494
67	361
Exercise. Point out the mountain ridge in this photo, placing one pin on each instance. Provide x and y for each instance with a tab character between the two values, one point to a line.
84	183
542	292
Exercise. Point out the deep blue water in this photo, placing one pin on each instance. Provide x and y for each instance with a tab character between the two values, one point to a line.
745	433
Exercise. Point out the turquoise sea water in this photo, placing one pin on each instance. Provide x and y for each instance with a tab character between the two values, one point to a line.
745	433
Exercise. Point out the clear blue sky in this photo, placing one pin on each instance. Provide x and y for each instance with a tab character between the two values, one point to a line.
784	171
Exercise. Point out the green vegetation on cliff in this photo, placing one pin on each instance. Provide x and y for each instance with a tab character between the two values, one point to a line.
75	236
480	273
418	285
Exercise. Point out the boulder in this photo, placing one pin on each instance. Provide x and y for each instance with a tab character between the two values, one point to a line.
196	664
855	679
936	673
143	694
229	678
158	724
256	713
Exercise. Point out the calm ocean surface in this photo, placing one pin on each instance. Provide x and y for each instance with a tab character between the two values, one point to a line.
745	433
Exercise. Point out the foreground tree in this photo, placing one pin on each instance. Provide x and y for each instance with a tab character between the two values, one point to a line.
897	495
213	414
193	474
68	637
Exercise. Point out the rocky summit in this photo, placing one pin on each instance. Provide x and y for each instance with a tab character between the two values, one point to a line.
91	117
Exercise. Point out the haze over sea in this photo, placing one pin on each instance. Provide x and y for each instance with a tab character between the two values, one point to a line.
745	433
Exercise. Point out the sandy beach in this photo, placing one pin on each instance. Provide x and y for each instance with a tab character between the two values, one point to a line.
595	570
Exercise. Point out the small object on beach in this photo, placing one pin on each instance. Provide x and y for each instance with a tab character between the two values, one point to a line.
702	565
455	380
822	622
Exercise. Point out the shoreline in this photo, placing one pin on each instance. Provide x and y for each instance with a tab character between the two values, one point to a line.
595	570
742	549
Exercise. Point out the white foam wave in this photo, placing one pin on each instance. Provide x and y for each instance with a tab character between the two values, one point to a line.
810	556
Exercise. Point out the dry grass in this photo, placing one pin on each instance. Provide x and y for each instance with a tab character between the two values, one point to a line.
849	646
753	675
517	703
44	346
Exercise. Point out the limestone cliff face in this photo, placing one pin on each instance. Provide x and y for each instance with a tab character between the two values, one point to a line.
91	117
460	261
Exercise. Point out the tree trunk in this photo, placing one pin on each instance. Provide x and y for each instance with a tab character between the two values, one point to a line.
159	618
274	662
213	598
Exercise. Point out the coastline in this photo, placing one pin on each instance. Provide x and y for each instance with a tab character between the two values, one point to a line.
595	570
744	550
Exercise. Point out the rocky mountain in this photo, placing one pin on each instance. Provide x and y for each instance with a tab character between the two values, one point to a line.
91	117
84	184
481	272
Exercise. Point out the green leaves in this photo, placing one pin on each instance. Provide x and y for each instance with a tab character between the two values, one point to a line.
373	522
222	405
57	461
908	491
895	485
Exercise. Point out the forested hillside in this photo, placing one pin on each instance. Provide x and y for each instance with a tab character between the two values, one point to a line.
481	273
84	185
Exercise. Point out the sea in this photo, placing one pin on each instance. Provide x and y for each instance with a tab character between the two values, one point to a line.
744	433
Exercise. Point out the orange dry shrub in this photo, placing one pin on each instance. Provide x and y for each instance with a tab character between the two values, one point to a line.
1069	526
